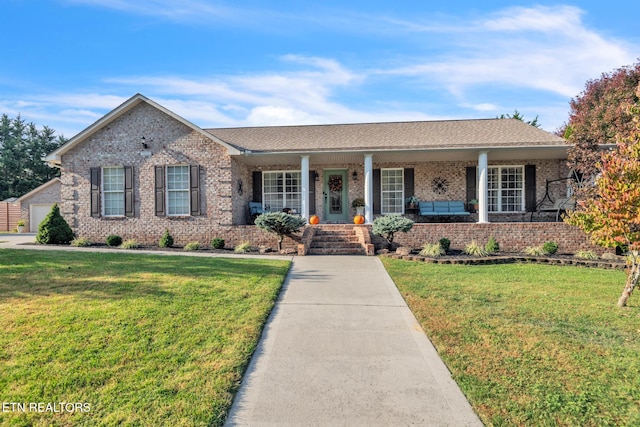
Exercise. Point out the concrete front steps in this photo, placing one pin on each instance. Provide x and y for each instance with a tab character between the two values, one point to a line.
336	239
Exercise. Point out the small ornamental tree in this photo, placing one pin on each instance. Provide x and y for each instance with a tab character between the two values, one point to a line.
53	229
280	223
386	226
166	241
611	214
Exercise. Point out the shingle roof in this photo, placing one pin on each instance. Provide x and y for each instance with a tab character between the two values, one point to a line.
482	133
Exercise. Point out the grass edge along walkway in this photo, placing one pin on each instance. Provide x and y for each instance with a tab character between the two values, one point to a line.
531	344
143	339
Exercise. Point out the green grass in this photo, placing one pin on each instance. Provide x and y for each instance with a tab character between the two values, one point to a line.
145	340
532	344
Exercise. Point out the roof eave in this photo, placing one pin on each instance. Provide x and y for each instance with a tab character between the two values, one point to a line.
373	150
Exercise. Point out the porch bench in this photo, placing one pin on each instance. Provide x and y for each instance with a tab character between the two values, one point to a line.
442	208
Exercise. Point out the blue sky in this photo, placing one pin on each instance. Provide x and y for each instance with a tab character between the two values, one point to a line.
249	62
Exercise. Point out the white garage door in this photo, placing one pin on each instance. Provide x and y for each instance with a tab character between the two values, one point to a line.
38	212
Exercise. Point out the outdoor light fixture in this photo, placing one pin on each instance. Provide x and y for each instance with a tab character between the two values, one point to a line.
316	176
354	175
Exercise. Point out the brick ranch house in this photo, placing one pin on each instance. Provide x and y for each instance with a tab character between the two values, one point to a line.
142	169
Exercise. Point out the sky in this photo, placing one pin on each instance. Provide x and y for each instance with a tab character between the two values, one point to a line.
66	63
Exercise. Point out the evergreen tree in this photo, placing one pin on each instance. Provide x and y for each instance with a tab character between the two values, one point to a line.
22	149
518	116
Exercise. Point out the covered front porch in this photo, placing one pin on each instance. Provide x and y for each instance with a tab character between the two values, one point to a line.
504	184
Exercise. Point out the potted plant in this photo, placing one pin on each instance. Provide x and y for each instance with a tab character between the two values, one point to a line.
358	204
412	202
20	225
474	204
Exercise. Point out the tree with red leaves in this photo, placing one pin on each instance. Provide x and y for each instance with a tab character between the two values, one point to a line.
610	214
598	115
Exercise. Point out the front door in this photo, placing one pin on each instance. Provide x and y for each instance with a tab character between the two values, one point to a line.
335	192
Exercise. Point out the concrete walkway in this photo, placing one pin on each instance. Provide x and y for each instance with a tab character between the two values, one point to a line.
341	347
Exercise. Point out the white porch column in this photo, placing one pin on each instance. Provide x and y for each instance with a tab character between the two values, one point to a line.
368	188
304	166
483	187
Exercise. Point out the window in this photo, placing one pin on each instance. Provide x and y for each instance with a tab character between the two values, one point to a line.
113	191
506	188
178	201
177	190
392	185
282	190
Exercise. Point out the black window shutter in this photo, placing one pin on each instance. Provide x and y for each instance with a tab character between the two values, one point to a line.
409	189
257	186
312	192
530	187
160	191
194	187
128	191
377	192
472	177
95	192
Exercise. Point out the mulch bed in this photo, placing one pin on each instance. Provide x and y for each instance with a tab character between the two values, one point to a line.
513	258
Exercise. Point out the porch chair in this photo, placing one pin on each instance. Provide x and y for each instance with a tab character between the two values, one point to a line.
255	209
560	206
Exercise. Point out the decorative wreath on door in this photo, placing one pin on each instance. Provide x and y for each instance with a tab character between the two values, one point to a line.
439	185
335	183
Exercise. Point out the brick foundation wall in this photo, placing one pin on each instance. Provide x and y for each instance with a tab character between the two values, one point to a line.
514	236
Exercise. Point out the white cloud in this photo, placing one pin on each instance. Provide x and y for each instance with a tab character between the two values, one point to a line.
182	10
541	48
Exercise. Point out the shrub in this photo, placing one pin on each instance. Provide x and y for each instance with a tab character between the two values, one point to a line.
492	245
244	247
217	243
280	223
80	242
445	244
114	240
474	249
386	226
191	246
130	244
434	250
586	255
166	241
550	247
54	229
535	251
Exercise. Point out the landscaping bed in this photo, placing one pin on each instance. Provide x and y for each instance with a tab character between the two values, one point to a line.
511	258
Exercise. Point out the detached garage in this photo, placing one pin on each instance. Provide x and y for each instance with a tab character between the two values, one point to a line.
36	204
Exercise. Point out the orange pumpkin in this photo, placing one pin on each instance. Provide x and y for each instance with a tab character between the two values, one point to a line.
314	220
358	219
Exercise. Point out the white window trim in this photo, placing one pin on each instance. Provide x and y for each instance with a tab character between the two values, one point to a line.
167	191
103	192
284	185
382	192
524	188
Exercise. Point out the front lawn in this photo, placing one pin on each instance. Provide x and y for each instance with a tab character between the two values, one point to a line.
532	344
141	339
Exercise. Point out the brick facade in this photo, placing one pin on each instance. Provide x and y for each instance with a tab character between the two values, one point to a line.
169	143
226	187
